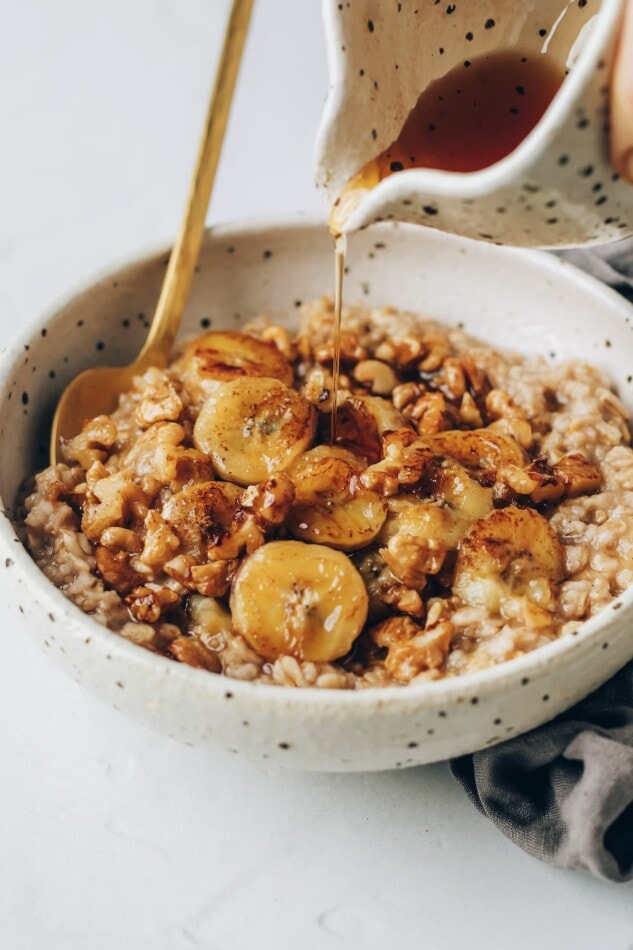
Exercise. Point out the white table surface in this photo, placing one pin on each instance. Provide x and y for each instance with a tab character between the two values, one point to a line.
111	836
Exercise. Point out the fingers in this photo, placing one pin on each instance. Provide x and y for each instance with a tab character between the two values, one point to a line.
622	99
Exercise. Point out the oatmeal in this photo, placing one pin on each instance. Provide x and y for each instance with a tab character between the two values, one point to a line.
476	505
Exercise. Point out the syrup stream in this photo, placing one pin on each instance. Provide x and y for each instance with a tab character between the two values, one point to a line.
340	249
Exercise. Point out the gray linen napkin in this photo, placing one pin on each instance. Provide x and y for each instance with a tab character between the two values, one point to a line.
564	792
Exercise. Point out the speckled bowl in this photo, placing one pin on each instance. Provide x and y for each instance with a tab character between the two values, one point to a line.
557	188
525	300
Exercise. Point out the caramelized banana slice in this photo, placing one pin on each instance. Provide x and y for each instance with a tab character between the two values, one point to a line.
305	600
502	554
324	470
253	427
479	448
361	421
449	484
467	498
345	522
222	356
325	511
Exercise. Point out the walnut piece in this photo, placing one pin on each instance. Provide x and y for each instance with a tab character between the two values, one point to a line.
93	443
410	649
192	651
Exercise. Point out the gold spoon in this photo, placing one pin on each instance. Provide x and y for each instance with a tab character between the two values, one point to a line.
96	391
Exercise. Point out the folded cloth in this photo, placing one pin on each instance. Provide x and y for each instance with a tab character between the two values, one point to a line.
564	792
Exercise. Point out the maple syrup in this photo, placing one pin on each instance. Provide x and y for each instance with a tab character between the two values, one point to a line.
465	121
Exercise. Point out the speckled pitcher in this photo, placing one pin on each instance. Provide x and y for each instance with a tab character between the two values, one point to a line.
557	188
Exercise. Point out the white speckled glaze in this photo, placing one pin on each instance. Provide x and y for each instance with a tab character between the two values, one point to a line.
557	188
526	300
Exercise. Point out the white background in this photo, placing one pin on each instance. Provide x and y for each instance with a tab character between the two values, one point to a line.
111	836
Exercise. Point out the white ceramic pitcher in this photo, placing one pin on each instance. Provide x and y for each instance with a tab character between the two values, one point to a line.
557	188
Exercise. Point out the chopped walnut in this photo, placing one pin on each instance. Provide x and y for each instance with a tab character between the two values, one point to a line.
431	413
410	649
179	569
411	558
161	542
478	383
403	598
112	500
93	444
469	413
145	451
402	352
379	376
499	405
351	350
318	389
451	379
245	536
437	349
260	509
121	539
269	501
147	605
517	428
115	570
538	481
179	466
579	476
214	579
193	652
406	459
406	393
159	402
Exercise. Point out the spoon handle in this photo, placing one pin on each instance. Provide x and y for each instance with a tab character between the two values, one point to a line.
184	256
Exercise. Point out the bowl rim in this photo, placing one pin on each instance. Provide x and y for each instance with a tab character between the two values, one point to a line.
431	694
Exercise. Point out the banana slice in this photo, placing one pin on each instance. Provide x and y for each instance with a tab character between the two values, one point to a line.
324	470
454	488
479	448
346	522
305	600
361	421
465	496
222	356
502	554
325	511
201	514
253	427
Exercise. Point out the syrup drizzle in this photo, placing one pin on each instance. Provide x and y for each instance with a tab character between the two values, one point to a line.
340	250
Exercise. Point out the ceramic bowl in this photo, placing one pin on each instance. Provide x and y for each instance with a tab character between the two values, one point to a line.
557	188
525	300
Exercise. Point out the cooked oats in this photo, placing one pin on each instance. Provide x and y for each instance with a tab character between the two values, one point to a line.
477	504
